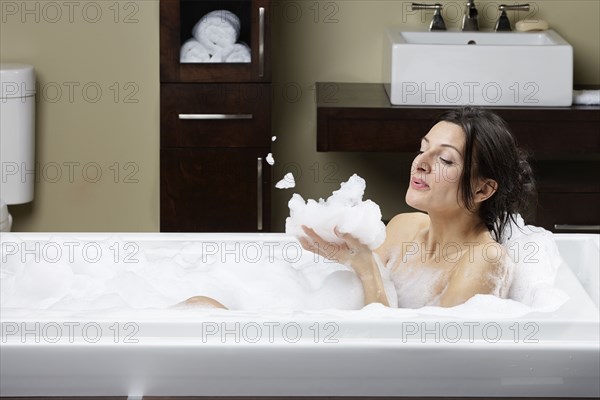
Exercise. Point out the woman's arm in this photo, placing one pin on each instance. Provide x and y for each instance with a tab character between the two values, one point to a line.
363	260
354	254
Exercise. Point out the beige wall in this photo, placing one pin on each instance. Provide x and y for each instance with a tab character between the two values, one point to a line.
312	41
107	124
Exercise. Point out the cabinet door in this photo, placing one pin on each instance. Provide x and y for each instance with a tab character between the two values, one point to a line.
215	115
214	190
177	20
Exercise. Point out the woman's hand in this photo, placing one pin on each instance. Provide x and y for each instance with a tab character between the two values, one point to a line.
349	252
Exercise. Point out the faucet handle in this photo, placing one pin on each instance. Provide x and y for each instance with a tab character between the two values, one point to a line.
470	17
503	23
437	22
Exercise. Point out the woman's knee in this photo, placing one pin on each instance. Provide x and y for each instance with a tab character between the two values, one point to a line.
202	301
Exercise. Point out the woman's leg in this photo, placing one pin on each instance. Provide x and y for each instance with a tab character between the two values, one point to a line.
201	301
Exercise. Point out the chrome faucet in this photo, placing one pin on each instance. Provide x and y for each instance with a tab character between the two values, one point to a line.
437	22
503	23
469	21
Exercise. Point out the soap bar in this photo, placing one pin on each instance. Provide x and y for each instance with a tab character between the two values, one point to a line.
527	25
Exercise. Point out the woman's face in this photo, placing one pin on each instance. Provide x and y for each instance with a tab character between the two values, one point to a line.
436	170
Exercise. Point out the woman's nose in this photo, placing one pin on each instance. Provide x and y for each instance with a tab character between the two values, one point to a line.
421	163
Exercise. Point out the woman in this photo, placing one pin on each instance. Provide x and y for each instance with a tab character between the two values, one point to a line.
469	178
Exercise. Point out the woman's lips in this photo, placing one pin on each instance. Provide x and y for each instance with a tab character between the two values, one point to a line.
418	184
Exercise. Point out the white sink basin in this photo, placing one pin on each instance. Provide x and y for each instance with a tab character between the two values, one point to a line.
478	68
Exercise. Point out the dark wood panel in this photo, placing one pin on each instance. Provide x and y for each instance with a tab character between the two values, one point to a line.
567	176
359	117
568	208
253	99
383	133
212	190
171	70
553	134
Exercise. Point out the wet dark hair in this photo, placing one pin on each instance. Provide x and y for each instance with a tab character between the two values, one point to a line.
491	152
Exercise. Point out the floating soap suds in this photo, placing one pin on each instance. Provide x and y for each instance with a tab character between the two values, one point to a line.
287	182
273	138
270	159
344	209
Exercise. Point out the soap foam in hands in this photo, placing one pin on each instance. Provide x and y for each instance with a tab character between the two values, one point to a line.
344	209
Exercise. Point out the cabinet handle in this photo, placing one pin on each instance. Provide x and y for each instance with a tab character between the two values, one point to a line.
580	228
216	116
261	42
259	194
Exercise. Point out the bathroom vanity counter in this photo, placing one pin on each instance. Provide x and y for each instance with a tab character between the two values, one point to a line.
359	117
564	144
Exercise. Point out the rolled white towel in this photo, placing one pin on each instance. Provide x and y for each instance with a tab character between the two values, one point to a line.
587	97
220	55
193	51
217	30
240	53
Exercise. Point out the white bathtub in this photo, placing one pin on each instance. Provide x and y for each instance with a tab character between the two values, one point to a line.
321	353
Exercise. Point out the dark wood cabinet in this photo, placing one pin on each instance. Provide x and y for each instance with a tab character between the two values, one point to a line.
564	143
215	125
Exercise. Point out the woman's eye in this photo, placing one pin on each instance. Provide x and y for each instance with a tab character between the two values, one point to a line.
447	162
419	152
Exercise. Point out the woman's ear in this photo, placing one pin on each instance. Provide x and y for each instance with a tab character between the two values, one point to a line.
485	188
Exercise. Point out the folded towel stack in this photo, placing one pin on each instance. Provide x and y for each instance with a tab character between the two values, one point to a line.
215	40
587	97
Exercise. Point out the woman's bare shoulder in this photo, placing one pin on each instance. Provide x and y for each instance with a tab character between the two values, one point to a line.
407	222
